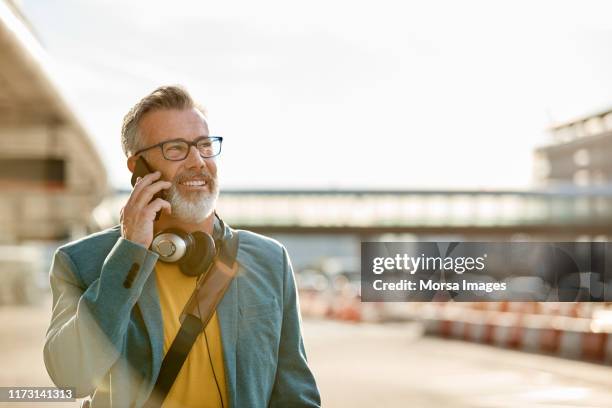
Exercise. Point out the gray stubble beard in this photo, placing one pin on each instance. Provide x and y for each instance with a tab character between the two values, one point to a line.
195	209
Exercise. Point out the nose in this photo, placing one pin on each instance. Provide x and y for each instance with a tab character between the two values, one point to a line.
193	159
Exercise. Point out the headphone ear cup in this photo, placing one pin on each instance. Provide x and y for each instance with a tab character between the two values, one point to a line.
171	244
199	255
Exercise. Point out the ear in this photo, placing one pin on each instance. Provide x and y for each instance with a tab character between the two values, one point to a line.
131	163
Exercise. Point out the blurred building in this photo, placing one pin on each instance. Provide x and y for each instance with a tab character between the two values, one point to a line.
50	173
579	153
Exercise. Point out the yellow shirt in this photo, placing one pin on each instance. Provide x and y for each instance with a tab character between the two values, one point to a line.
195	385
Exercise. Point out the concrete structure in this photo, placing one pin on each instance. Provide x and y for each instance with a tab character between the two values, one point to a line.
51	176
579	153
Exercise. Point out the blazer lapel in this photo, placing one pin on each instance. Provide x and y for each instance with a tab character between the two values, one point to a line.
227	313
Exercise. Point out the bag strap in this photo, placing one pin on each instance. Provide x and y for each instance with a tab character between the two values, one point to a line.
196	314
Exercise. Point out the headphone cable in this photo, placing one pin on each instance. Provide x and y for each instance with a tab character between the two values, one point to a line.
213	370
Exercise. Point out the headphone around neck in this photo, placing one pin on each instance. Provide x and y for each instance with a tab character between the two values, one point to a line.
193	252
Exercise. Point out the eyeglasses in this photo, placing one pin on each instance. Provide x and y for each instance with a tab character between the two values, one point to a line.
178	149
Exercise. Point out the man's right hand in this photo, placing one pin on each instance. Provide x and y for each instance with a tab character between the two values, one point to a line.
138	215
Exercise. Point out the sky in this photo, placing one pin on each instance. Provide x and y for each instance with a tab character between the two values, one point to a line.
341	94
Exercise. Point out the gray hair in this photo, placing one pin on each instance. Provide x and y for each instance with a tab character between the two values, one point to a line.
164	97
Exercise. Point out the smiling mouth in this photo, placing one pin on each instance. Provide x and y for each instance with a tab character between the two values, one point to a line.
193	183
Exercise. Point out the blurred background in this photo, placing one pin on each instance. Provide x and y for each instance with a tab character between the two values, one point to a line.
438	120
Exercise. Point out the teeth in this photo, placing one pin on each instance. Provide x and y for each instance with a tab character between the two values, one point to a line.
194	183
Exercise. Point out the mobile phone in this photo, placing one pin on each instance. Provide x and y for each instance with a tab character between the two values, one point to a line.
142	169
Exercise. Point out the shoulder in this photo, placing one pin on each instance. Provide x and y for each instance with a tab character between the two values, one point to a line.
257	248
94	245
87	254
252	240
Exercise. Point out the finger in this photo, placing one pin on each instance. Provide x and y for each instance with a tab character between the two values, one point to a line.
141	182
146	180
158	204
146	195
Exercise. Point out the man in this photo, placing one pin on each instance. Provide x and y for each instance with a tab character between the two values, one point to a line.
116	306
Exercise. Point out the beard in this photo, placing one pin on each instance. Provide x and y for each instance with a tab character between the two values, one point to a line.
193	207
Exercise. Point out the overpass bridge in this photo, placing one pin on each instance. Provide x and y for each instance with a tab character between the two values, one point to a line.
563	214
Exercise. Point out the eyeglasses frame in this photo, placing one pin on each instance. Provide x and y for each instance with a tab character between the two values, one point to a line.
193	143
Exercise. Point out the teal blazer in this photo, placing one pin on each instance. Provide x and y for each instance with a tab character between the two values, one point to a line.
105	337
